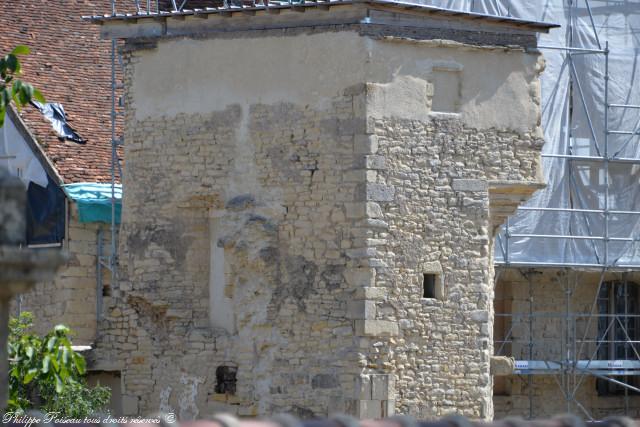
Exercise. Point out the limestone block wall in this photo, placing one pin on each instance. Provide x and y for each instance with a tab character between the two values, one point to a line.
70	298
282	208
237	226
430	213
549	289
438	224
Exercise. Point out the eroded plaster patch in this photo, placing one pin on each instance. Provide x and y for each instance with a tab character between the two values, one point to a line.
187	399
165	395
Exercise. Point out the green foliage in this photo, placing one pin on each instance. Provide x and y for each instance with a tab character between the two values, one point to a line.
12	88
47	374
78	401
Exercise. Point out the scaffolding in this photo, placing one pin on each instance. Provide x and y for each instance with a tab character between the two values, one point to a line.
573	345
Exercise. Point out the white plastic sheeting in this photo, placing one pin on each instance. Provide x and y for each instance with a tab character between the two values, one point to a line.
573	97
18	158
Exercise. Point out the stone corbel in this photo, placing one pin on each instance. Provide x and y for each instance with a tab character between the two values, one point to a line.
505	196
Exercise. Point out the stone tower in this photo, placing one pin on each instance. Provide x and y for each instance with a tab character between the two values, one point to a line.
311	191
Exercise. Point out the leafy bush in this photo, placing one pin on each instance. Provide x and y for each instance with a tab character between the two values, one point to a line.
11	87
45	373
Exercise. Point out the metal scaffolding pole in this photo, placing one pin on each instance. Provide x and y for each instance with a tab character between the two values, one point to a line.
110	260
114	160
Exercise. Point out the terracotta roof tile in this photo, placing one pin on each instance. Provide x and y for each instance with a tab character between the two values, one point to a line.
71	65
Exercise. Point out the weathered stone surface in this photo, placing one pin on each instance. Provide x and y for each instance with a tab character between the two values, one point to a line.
371	293
324	381
501	365
380	192
367	144
240	202
434	228
433	267
376	328
375	162
363	387
380	388
351	201
361	309
472	185
480	316
373	210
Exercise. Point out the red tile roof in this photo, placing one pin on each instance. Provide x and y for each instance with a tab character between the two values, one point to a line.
71	65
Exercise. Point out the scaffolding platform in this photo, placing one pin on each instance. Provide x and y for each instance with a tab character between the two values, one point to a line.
600	367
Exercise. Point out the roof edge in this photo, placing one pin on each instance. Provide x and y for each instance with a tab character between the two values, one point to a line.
301	5
31	140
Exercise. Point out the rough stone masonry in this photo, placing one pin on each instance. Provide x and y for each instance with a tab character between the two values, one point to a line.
309	208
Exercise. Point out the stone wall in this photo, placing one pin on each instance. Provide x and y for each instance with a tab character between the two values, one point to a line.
266	194
279	217
70	298
439	223
552	292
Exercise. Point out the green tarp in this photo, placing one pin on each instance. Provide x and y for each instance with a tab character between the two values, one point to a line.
94	200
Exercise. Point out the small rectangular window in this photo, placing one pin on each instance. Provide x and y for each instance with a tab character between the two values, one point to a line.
429	285
226	379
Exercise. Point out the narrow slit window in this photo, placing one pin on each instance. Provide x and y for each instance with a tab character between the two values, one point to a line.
429	285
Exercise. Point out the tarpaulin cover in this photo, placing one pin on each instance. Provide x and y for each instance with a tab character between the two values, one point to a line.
94	201
573	96
45	214
54	112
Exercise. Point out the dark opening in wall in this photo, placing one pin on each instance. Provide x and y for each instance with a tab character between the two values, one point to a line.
429	285
226	379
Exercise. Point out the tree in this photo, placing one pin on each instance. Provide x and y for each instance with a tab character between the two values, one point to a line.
11	87
47	374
